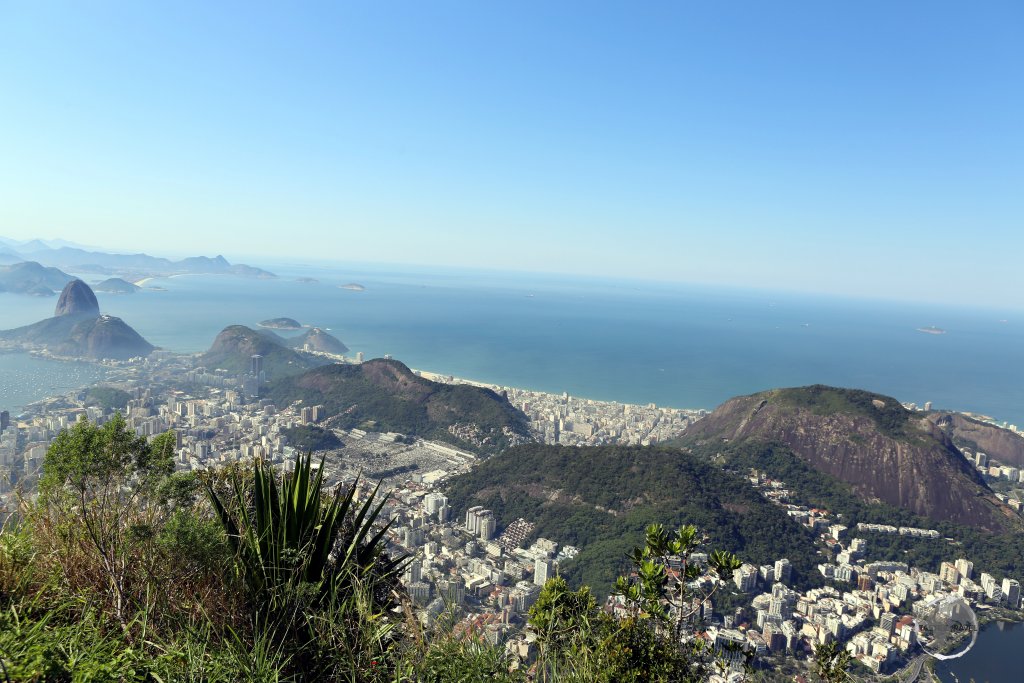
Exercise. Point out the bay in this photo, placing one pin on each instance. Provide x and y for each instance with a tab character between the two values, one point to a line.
995	657
25	379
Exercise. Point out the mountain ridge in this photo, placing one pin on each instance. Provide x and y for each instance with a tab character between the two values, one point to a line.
32	278
64	255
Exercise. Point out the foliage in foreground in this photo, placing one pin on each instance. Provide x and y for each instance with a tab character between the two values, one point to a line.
122	570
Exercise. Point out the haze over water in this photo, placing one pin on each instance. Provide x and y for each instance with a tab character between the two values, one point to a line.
637	342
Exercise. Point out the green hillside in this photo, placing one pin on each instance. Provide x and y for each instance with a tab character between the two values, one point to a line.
998	552
234	347
386	396
601	499
312	438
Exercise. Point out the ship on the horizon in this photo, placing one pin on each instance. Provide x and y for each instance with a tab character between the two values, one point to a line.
931	329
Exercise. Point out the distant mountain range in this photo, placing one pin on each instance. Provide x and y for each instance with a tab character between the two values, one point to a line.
32	278
78	329
64	255
378	395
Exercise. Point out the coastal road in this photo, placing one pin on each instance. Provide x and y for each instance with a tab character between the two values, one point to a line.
915	668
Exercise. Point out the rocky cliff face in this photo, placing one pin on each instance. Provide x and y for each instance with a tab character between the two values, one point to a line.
998	443
77	298
319	340
106	337
884	452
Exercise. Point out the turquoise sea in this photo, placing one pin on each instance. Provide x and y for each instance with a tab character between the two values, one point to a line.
639	342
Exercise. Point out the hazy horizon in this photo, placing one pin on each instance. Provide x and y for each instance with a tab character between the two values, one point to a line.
525	277
869	151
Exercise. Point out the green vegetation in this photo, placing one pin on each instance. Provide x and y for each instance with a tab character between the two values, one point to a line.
312	566
387	396
831	662
998	553
108	398
312	438
882	450
601	499
888	413
579	642
282	324
122	571
235	346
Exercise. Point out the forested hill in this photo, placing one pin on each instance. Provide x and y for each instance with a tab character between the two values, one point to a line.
601	499
235	346
386	396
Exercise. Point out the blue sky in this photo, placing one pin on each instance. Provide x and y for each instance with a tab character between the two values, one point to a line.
868	148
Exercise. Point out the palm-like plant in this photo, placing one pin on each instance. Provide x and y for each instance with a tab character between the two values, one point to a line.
289	541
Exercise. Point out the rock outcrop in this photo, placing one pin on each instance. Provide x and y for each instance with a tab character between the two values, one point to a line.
77	298
998	443
881	450
78	330
317	339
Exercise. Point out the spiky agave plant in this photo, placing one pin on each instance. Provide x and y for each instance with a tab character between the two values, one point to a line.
287	540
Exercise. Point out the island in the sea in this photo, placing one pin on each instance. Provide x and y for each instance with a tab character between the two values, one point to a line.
282	324
116	285
931	329
307	280
353	287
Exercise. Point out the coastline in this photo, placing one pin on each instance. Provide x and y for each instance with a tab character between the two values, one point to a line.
150	278
451	379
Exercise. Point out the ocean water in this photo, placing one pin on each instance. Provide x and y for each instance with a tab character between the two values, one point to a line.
674	345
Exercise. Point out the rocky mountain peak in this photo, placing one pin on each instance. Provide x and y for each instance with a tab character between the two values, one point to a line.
77	298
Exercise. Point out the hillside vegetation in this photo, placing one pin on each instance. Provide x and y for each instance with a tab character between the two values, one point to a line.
998	552
386	396
108	398
312	438
601	499
122	571
235	346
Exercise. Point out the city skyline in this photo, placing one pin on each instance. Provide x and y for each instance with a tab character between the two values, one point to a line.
868	151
